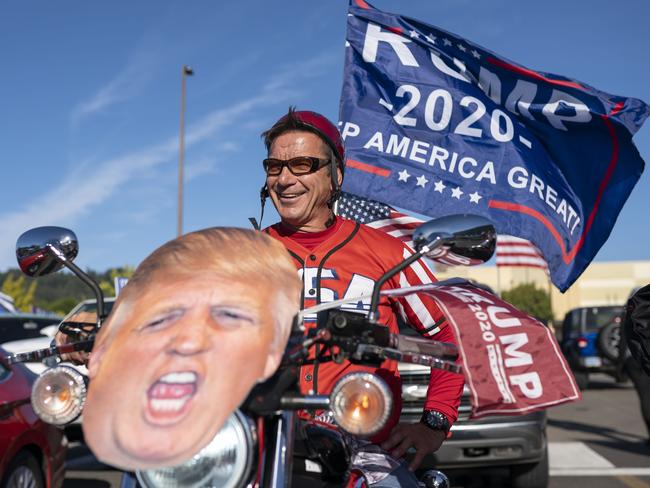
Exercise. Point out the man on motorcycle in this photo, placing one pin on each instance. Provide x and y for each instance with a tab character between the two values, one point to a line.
339	258
203	319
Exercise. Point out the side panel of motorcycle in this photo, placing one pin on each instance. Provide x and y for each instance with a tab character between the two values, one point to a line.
327	444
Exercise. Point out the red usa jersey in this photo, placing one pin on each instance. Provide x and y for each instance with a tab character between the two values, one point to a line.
346	265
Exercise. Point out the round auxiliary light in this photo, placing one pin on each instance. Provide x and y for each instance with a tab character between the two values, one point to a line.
361	403
225	462
58	395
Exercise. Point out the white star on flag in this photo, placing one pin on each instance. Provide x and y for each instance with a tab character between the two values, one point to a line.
446	42
422	181
456	192
403	175
476	54
462	48
439	186
414	35
474	197
431	39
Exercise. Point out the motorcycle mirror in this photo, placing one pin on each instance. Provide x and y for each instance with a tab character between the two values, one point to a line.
457	239
43	250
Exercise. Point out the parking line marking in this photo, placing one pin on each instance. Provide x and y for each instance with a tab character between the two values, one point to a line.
600	472
578	459
575	456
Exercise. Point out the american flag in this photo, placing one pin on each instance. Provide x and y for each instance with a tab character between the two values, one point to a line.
378	216
513	251
386	219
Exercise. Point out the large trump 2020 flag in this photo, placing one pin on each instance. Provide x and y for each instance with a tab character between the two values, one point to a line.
438	125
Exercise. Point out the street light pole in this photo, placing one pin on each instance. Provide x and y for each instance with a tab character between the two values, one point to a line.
187	71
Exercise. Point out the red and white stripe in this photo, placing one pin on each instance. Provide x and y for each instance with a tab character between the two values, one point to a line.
514	251
399	225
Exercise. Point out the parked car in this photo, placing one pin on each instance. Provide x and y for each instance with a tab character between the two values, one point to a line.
515	442
90	305
26	345
21	333
20	326
73	431
24	332
32	453
590	342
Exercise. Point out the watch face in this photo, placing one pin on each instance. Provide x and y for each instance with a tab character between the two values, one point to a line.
436	420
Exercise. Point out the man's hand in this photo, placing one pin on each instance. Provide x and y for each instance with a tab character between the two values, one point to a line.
85	321
423	439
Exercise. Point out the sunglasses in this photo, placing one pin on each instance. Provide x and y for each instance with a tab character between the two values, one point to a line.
302	165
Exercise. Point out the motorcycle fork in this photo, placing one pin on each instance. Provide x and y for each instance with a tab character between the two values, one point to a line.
280	434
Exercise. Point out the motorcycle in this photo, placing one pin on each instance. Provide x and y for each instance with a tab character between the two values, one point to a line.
269	441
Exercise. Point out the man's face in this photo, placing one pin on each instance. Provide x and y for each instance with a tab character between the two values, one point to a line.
185	356
301	201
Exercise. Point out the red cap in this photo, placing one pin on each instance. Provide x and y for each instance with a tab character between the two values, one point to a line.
323	127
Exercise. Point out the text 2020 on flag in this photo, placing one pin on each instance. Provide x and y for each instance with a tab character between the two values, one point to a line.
436	124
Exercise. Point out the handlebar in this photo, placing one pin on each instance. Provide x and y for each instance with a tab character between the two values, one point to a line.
355	337
442	350
40	354
408	357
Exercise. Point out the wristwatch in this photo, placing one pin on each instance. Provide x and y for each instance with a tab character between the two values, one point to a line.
435	420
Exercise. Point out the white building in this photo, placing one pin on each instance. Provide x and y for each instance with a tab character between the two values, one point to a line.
602	283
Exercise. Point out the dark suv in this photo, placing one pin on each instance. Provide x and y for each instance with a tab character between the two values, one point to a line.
20	326
590	341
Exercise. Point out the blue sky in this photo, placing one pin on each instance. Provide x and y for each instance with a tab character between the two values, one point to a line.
91	93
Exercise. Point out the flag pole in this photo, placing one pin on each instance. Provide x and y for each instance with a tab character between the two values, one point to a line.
498	281
550	295
187	71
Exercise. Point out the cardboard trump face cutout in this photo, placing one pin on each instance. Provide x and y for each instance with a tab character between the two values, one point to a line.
203	319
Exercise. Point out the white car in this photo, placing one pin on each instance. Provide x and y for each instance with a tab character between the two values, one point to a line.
23	333
26	345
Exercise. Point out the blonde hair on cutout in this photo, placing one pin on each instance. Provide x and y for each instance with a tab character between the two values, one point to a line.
232	254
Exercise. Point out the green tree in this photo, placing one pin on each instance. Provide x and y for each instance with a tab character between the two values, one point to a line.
531	300
62	306
21	292
107	283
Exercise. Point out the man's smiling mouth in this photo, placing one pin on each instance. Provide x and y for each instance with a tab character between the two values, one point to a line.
169	397
290	196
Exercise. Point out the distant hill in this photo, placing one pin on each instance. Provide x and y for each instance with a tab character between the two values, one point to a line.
60	291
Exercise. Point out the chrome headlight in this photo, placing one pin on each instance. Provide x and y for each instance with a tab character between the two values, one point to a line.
361	403
225	462
59	394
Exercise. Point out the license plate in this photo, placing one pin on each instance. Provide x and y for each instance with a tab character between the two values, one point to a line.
593	362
